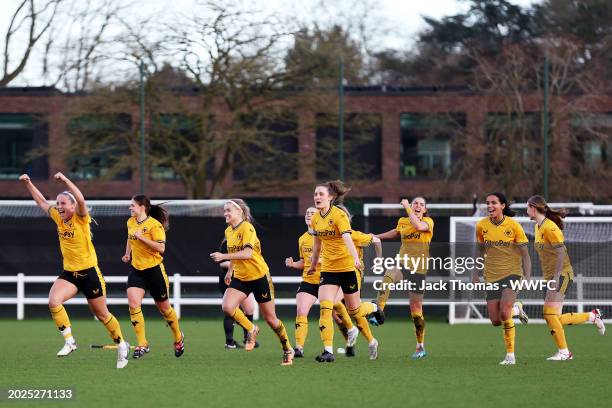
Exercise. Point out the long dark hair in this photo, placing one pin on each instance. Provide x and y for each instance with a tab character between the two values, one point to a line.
556	216
155	211
336	189
503	200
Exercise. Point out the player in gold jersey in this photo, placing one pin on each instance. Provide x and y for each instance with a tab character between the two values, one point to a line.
146	242
504	246
556	267
331	228
248	273
309	287
81	272
340	314
415	232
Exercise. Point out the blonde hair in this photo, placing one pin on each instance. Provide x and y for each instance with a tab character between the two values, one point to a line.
246	211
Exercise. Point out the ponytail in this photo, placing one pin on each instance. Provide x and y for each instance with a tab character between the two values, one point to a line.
337	189
160	214
542	207
507	211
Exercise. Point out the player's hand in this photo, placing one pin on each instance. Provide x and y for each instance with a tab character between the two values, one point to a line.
475	277
138	234
358	264
289	262
405	203
25	178
59	176
125	258
228	277
217	256
311	271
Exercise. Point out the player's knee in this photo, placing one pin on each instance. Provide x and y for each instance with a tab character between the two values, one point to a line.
163	308
102	315
496	322
133	303
271	320
54	303
228	309
505	315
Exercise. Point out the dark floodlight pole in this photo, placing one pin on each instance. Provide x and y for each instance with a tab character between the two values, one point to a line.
545	125
341	119
142	130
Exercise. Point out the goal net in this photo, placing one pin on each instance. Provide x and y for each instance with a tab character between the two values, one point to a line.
589	244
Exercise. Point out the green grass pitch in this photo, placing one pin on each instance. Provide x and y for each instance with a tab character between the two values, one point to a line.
461	370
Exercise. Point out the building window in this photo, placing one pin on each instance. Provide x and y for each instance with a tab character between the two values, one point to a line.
362	146
269	151
514	144
592	148
99	147
23	144
426	149
179	137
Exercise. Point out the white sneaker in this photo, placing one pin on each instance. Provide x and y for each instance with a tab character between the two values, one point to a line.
373	349
522	316
352	337
509	360
68	348
123	352
561	356
598	322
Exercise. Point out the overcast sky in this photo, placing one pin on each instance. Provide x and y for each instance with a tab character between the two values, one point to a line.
389	24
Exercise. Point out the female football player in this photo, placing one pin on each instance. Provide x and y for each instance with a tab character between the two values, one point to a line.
339	269
248	273
146	242
416	232
504	245
80	272
556	267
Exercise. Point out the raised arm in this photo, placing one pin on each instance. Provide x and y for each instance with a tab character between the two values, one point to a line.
40	199
81	208
420	225
391	234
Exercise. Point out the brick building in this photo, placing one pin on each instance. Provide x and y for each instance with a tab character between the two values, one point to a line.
411	149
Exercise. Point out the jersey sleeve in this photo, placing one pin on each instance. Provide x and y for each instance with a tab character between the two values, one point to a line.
519	235
82	219
361	239
54	214
479	234
429	222
249	237
342	222
553	235
158	234
300	248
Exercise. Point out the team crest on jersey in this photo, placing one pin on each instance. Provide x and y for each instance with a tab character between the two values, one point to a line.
144	230
484	231
508	233
239	236
331	222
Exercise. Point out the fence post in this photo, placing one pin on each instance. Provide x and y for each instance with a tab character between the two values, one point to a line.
580	293
176	295
20	295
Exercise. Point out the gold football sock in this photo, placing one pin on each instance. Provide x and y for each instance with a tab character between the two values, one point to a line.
326	324
173	322
301	330
242	320
574	318
137	319
419	326
555	326
60	316
281	333
114	330
364	328
383	295
342	313
509	333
